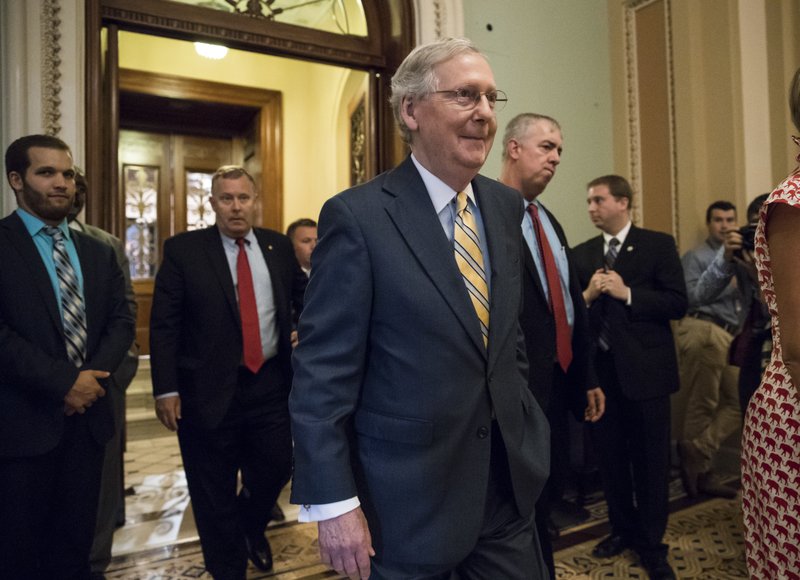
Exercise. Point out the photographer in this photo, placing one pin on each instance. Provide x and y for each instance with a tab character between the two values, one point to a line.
703	338
751	348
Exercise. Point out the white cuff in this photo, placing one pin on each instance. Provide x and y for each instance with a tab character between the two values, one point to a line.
327	511
166	395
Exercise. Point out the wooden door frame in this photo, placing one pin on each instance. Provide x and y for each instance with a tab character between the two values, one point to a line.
270	122
390	24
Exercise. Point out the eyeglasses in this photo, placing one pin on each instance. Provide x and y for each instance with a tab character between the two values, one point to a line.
469	98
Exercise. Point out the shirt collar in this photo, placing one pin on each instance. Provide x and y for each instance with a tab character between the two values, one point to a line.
621	235
250	238
440	193
34	225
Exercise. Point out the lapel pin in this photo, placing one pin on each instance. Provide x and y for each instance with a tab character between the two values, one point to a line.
629	249
269	247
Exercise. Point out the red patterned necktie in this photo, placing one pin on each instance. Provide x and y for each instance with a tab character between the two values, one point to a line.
557	307
248	311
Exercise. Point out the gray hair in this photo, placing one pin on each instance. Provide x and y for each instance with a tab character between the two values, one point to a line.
415	75
231	172
519	125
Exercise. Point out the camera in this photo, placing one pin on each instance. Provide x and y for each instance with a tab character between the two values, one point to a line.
748	233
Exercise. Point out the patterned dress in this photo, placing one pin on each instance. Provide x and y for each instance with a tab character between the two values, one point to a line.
771	438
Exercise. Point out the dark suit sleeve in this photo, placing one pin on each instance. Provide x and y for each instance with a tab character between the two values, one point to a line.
25	364
165	322
665	298
329	362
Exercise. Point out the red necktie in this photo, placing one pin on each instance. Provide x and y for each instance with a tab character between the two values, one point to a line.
563	334
251	334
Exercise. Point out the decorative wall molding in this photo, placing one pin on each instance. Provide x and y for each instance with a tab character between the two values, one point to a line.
437	19
244	33
51	66
632	98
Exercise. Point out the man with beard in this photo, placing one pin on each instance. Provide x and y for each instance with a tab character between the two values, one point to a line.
65	326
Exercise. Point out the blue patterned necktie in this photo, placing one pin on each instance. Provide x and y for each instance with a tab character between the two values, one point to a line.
604	339
72	307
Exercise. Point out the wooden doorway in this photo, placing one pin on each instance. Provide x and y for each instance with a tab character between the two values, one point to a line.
389	38
174	133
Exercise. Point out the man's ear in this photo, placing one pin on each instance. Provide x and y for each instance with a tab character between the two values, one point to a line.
512	149
408	112
15	180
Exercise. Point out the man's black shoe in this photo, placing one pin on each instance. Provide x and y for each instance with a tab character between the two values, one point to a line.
658	568
259	552
609	547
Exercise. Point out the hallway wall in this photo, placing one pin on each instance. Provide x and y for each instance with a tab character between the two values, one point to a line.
551	57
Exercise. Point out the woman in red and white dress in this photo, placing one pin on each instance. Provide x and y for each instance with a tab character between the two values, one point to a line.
771	436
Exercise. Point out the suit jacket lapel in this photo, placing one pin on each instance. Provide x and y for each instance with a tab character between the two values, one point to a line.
412	213
278	291
502	318
628	250
26	247
219	264
532	271
89	272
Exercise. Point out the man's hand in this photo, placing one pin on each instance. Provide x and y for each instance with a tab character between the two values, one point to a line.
613	285
345	544
595	405
594	289
732	243
168	411
293	338
84	392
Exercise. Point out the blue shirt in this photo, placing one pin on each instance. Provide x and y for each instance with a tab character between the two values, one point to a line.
559	255
443	198
708	283
44	244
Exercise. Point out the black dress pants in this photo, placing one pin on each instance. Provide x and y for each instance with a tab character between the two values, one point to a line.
507	547
254	439
633	443
49	507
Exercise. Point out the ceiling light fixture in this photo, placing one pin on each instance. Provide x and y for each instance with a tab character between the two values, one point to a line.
212	51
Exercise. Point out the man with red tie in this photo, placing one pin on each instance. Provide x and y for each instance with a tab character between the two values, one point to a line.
220	356
554	317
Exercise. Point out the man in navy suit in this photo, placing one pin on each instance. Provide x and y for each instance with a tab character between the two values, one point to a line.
633	284
418	446
560	381
220	359
64	326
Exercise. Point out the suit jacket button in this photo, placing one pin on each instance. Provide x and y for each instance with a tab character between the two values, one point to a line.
483	432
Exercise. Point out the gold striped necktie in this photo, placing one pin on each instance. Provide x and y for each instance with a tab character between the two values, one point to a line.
470	262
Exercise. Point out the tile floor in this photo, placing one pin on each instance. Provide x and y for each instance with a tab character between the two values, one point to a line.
158	513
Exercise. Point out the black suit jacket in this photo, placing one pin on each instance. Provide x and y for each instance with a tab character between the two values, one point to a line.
640	334
195	328
35	371
539	327
393	391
